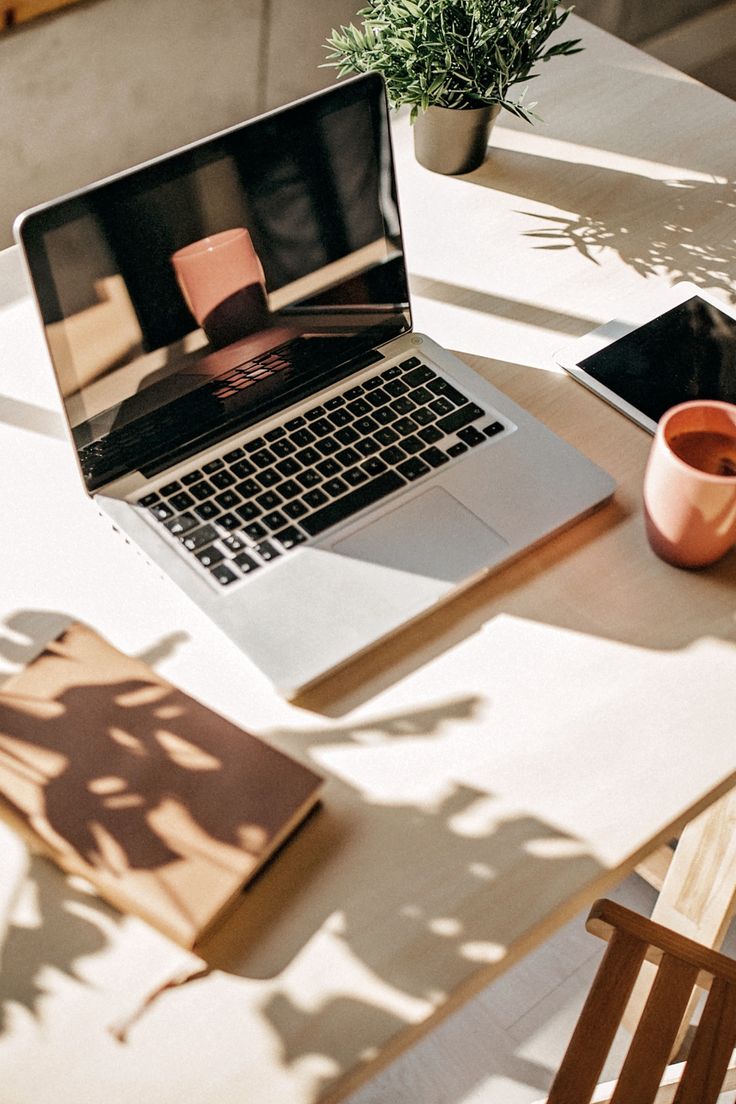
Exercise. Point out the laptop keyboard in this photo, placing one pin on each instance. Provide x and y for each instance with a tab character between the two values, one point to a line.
259	500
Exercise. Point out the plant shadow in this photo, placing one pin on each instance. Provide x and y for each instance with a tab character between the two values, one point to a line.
668	240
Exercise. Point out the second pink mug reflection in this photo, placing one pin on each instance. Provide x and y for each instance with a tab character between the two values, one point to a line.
222	281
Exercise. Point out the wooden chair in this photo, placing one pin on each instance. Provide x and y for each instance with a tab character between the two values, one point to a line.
645	1077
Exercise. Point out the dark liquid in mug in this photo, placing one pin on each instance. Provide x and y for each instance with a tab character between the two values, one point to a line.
714	453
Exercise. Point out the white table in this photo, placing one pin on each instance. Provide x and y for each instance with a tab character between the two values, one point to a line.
492	769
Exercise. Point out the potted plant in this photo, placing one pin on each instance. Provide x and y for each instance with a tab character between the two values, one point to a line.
455	63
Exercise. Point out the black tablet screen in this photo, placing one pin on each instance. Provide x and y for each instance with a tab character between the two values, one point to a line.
687	353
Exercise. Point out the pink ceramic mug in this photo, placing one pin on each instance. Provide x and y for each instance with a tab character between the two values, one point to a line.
222	281
690	484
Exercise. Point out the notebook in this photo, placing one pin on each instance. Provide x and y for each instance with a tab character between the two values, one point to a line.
167	808
230	330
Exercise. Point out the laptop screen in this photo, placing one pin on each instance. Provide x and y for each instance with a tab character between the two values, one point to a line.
206	290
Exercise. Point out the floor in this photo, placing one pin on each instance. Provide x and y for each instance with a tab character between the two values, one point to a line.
504	1046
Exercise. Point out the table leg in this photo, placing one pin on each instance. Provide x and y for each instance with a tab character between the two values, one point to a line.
698	894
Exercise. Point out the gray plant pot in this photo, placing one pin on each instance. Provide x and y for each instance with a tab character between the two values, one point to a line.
453	140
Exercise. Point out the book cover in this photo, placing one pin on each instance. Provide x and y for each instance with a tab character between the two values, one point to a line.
166	807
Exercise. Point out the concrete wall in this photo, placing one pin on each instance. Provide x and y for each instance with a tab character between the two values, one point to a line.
108	83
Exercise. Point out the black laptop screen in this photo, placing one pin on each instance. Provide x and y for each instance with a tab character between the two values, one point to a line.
197	294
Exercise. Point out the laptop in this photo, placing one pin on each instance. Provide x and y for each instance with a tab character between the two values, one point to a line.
230	330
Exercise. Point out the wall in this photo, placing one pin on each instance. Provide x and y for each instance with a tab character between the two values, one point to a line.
636	20
108	83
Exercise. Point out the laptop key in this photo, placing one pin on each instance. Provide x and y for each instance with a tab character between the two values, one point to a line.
367	447
263	458
295	423
412	362
334	487
385	415
233	543
228	522
170	489
242	468
222	479
295	509
315	497
161	511
148	500
227	500
328	445
255	531
354	476
191	477
434	457
283	448
393	455
374	466
197	538
424	416
181	524
492	429
347	435
249	511
302	437
308	456
290	488
442	387
202	490
391	373
248	488
212	466
330	466
414	468
420	374
269	500
412	444
246	563
224	574
289	537
267	551
233	455
308	478
430	434
471	436
341	508
275	433
181	501
208	557
459	418
269	477
274	520
457	449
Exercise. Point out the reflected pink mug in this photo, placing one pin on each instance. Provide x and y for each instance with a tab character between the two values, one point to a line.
222	281
690	484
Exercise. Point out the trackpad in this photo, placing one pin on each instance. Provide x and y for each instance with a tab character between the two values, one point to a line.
432	535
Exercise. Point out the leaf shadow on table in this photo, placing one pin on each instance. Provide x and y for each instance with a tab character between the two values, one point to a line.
663	241
399	926
61	932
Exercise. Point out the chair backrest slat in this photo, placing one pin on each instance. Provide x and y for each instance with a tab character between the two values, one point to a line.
711	1048
588	1049
652	1043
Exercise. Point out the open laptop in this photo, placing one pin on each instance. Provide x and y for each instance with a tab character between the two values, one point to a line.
231	334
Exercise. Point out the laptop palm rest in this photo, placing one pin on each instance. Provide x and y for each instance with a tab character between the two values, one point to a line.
433	535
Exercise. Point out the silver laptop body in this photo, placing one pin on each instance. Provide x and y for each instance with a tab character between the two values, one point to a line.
231	335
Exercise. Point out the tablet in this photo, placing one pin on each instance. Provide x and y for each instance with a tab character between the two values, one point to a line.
679	345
